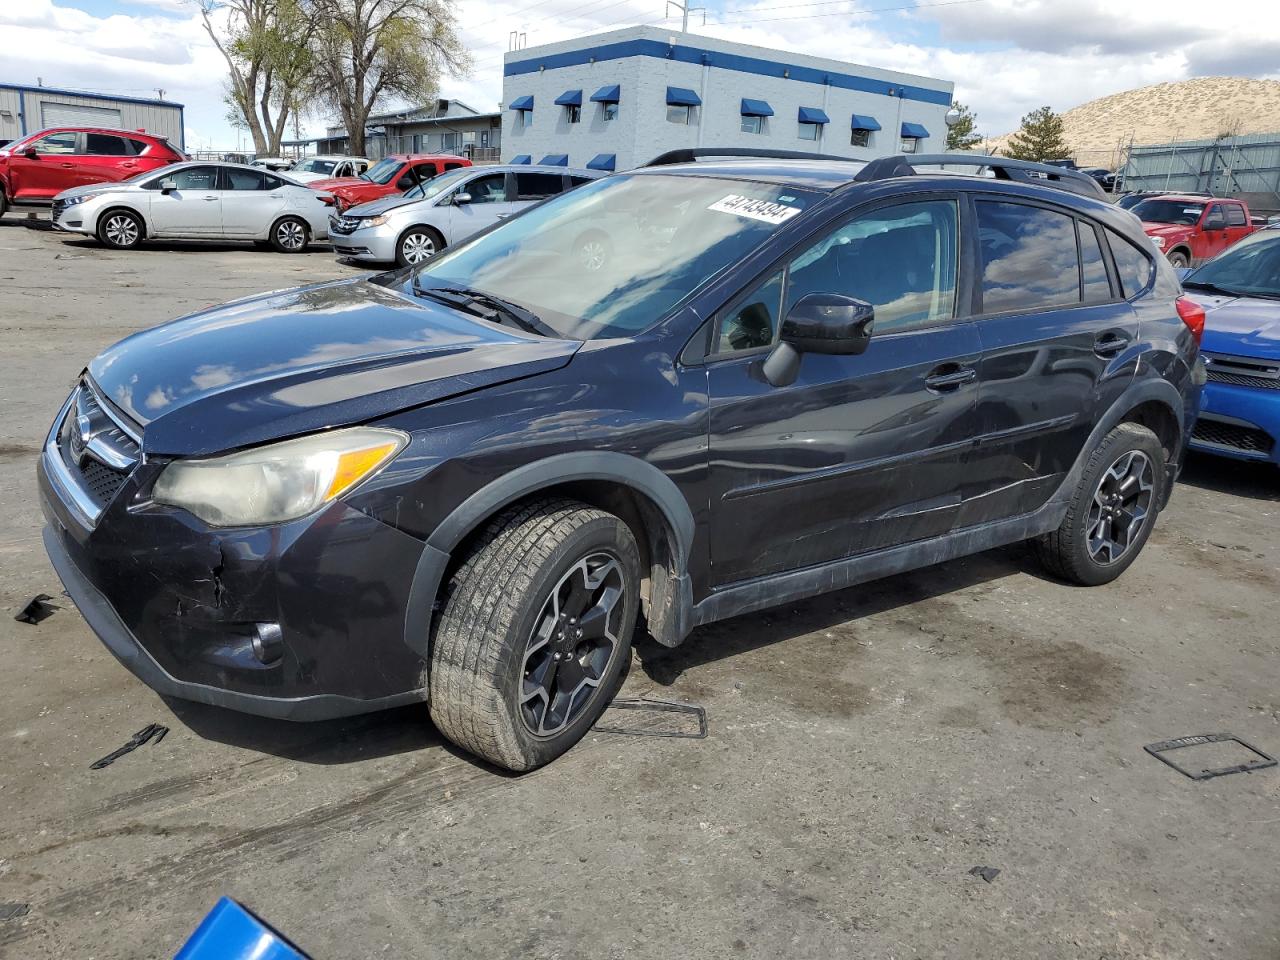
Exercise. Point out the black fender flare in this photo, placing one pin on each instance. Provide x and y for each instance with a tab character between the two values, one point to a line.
639	475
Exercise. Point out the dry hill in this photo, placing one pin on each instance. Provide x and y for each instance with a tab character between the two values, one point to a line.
1196	109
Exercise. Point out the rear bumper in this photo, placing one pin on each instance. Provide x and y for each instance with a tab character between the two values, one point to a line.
1239	422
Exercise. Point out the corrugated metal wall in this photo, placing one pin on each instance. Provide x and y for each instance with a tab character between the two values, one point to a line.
36	108
1227	167
10	107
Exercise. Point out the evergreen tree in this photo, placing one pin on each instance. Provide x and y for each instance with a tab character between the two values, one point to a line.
1039	139
961	136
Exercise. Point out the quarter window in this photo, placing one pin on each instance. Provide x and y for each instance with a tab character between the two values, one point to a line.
1133	265
1029	257
139	146
101	145
754	321
1094	285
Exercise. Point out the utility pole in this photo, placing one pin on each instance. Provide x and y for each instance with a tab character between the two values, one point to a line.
685	10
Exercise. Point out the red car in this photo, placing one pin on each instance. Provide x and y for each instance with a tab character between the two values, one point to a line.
41	165
1191	230
390	175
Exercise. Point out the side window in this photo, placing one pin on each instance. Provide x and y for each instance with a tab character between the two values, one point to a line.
754	320
490	189
538	186
236	179
453	166
900	259
139	146
1133	265
101	145
192	178
1095	287
1029	257
1235	215
56	143
271	183
578	181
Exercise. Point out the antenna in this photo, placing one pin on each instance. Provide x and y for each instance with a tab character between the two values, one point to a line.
685	10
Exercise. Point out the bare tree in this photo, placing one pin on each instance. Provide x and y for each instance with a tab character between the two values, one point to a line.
267	46
367	52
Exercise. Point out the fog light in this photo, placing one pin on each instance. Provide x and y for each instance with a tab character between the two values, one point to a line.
268	643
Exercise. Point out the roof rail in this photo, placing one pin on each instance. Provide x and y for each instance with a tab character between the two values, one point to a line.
1004	168
690	154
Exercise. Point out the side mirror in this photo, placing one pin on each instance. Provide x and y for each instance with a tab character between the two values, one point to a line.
168	185
1216	223
819	323
405	182
461	197
30	153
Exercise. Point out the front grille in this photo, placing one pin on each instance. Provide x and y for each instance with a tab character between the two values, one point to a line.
1236	436
343	225
1243	380
96	448
1243	371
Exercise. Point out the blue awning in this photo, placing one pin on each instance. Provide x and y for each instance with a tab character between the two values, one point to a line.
555	160
522	158
606	95
522	103
756	108
861	122
602	161
813	115
913	131
570	98
680	97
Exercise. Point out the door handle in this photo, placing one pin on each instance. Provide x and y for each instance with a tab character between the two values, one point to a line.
67	166
1109	344
950	377
209	199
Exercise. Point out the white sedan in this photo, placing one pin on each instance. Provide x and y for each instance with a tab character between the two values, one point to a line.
197	201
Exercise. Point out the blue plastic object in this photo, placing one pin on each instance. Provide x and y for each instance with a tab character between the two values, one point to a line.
230	932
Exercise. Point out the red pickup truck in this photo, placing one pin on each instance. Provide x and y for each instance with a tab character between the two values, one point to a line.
390	175
1191	230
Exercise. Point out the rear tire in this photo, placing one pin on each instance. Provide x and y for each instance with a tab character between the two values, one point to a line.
535	632
1112	512
418	244
121	229
290	235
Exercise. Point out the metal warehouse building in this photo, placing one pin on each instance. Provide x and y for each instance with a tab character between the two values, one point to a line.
617	99
25	110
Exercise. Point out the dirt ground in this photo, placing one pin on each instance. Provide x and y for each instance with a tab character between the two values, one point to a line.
865	749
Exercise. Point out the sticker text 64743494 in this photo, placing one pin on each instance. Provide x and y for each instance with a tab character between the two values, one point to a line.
765	210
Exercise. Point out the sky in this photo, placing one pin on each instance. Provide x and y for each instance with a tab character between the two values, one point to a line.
1006	57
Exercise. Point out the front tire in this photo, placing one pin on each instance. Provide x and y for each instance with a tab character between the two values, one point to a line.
4	203
1111	512
535	632
416	245
121	229
290	235
1179	260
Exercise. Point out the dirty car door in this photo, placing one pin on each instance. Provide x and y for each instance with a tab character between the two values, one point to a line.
860	452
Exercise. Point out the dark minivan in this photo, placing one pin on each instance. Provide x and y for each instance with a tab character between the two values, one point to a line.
686	392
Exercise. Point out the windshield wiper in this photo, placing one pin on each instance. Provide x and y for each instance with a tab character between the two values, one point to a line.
486	306
1213	288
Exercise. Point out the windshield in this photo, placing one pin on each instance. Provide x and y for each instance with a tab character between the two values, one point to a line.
382	171
316	166
1251	267
1169	211
437	185
614	256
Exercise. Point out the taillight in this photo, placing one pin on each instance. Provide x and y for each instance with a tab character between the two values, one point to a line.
327	200
1192	315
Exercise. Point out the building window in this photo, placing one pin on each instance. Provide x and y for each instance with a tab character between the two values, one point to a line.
810	131
573	113
909	145
753	124
860	138
524	119
609	111
679	114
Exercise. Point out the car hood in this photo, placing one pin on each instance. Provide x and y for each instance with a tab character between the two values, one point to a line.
337	183
1243	326
1167	230
383	205
295	361
90	189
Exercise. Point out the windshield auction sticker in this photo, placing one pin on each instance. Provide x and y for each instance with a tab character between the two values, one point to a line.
764	210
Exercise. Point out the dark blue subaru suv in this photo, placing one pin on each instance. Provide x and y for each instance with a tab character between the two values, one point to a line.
683	393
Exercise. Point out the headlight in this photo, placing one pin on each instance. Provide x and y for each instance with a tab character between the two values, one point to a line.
377	221
1158	241
282	481
72	201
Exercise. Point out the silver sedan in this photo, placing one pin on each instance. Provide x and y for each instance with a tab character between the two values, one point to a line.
445	210
200	201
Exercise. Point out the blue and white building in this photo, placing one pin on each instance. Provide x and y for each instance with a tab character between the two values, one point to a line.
618	99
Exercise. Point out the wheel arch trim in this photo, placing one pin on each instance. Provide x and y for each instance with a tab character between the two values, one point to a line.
122	208
638	476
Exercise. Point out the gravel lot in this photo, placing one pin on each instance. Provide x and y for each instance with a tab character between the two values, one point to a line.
866	749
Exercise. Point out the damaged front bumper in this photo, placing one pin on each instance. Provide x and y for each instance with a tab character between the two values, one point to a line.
302	620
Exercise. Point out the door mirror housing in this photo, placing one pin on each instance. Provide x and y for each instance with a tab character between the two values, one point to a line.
829	323
1215	222
405	182
168	185
461	197
30	153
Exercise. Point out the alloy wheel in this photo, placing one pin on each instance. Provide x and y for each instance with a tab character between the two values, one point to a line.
572	644
122	230
417	247
1121	506
291	235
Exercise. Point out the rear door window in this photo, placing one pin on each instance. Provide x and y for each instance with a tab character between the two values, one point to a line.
1029	259
1133	265
102	145
538	186
236	179
1235	215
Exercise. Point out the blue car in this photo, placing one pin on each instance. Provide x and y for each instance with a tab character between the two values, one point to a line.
1240	406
